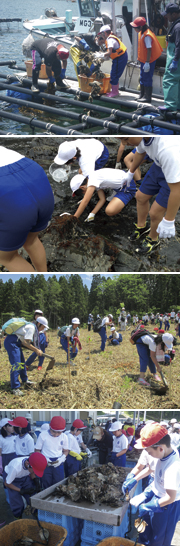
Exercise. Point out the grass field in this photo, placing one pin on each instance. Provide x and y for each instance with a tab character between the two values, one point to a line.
101	379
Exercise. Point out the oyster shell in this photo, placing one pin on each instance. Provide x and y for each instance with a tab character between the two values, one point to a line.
140	525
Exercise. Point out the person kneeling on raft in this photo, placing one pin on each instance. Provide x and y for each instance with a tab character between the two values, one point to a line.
100	180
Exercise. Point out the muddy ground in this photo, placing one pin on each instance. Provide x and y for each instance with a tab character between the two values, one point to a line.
102	378
102	245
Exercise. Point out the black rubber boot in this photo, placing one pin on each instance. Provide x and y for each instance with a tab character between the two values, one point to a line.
147	95
141	92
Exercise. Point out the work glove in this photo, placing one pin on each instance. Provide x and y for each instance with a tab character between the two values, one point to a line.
166	229
37	484
150	507
118	165
128	485
127	179
63	72
89	453
146	496
146	67
83	454
129	476
90	217
75	455
84	44
30	491
173	66
92	68
99	55
52	79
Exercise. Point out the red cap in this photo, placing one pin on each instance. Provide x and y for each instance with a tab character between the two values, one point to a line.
156	329
150	435
123	431
58	424
38	463
19	422
78	424
161	331
138	22
63	52
130	431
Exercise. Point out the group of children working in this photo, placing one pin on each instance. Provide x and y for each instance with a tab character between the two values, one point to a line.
28	204
54	456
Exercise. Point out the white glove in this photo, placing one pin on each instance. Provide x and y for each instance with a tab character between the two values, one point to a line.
90	217
118	165
138	499
146	67
127	179
166	229
89	453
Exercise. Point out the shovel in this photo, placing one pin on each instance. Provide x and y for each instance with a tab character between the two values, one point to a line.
162	375
49	367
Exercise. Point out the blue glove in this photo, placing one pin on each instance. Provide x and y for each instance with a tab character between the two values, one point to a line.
63	72
92	67
173	66
148	493
84	44
51	79
130	475
128	485
151	507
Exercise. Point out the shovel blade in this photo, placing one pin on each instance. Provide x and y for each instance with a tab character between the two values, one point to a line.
50	365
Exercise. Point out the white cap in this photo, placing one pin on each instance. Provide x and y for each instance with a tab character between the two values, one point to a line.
43	320
168	340
4	422
45	426
75	321
172	421
76	182
113	328
163	424
28	416
104	28
67	150
38	311
111	316
176	425
115	426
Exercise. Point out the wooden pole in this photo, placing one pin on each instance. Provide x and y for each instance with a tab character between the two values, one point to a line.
69	363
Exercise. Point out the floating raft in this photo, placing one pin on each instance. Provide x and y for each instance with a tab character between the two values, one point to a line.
75	112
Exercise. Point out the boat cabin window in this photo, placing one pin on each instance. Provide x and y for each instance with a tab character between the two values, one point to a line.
86	8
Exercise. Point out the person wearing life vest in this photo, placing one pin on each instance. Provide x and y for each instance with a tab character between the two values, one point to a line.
53	54
171	78
71	335
149	50
151	351
116	51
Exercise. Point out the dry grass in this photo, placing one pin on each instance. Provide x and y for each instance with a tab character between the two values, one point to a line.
101	380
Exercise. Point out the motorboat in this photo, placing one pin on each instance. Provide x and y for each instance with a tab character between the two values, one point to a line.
51	25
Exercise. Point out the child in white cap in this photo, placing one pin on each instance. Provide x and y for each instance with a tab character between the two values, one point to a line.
71	335
120	445
115	338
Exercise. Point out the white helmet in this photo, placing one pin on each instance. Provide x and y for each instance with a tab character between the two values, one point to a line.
38	311
105	28
115	426
75	321
111	316
76	182
113	328
43	320
67	150
168	340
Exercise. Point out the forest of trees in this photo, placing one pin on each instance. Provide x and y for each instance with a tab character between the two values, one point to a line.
64	298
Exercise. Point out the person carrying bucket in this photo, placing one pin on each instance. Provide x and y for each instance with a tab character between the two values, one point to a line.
171	78
149	50
116	51
71	335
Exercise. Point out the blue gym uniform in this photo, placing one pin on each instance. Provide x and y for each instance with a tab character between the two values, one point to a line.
118	66
22	481
27	202
13	347
126	194
64	343
116	341
154	183
42	345
52	474
102	160
144	357
119	444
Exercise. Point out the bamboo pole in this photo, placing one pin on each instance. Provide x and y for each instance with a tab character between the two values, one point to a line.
69	363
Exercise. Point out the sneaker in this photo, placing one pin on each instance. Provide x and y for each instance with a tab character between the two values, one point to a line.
156	377
148	246
72	363
138	232
34	89
39	368
62	86
142	382
17	392
28	383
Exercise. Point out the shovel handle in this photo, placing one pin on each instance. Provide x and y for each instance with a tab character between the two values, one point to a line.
162	376
48	356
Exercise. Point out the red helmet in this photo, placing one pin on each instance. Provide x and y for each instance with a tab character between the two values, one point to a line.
130	431
79	424
138	22
19	422
58	424
63	52
38	463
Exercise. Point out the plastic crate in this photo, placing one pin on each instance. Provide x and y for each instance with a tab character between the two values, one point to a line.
130	463
72	525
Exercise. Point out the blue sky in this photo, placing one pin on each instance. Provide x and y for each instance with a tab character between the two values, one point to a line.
86	277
